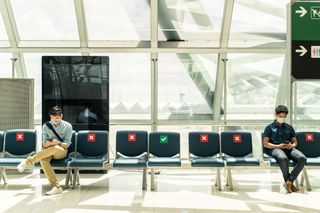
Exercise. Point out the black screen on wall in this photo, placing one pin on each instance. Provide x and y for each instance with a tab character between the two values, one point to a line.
80	85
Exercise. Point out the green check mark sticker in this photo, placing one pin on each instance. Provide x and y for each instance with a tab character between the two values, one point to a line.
163	138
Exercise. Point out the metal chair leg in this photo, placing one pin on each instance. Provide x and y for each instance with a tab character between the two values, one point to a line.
68	177
4	176
226	177
230	179
144	179
78	177
1	175
218	179
302	179
74	182
297	183
306	177
153	181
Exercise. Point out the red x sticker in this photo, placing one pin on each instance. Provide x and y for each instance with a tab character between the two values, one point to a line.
309	137
237	139
204	138
132	137
19	136
91	137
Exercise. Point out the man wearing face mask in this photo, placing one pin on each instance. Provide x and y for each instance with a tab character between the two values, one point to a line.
280	140
56	138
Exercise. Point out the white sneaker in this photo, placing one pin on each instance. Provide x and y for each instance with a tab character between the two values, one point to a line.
22	165
54	190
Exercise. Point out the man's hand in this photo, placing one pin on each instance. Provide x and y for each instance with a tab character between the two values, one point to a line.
283	146
55	142
51	143
291	146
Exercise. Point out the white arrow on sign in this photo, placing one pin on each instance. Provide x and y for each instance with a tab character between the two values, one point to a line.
302	51
302	11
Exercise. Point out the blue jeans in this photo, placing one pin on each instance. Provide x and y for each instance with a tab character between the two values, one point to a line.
283	156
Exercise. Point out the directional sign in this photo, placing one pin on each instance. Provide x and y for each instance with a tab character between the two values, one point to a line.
305	44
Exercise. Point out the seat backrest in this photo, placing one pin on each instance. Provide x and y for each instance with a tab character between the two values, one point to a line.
72	147
309	143
20	142
164	144
1	141
204	144
236	144
92	143
131	143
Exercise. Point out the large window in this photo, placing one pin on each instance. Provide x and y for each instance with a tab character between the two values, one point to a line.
130	86
186	86
253	81
306	101
6	65
3	35
190	20
45	20
118	20
246	29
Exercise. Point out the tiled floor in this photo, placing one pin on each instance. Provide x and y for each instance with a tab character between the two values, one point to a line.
178	191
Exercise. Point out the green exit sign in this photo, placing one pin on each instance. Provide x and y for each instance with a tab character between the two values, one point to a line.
305	17
305	40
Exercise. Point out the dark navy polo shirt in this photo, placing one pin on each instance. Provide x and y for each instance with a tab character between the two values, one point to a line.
279	133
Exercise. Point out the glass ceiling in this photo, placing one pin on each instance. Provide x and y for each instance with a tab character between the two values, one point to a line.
49	22
118	20
45	20
3	35
258	22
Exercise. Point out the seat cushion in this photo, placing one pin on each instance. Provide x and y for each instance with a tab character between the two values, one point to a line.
87	162
313	161
273	162
164	161
10	161
242	161
61	163
207	162
130	162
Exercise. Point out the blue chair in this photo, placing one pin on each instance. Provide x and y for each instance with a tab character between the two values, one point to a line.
237	150
204	148
63	164
91	152
18	144
1	151
309	145
131	151
164	151
1	142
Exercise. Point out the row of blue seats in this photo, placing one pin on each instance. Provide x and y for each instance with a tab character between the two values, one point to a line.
90	150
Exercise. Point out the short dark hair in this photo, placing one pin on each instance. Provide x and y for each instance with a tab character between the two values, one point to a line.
281	109
56	110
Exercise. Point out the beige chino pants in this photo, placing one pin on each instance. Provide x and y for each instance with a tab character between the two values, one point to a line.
45	156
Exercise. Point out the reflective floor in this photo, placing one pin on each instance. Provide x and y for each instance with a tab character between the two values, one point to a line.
178	191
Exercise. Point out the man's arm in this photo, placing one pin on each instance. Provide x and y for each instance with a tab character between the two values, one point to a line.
67	139
293	144
267	144
45	142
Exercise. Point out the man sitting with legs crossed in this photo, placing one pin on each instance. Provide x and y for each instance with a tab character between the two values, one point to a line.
56	138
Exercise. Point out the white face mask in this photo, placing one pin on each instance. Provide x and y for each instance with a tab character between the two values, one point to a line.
280	120
55	121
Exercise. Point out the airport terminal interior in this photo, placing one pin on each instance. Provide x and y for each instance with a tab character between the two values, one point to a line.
168	101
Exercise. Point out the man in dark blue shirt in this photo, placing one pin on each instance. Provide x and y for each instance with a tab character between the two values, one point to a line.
280	140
